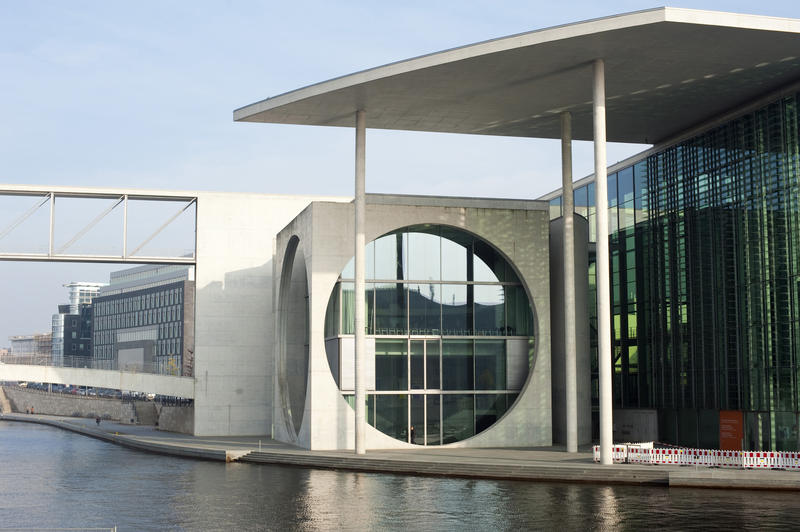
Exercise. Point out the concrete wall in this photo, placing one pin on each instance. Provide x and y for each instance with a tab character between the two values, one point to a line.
146	412
57	404
234	321
176	419
519	229
583	358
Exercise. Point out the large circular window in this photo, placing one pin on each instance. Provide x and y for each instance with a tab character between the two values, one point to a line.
449	334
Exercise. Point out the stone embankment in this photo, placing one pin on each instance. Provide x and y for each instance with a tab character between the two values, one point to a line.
57	404
166	417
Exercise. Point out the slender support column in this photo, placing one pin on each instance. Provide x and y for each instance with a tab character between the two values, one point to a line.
603	274
570	354
52	223
125	226
361	423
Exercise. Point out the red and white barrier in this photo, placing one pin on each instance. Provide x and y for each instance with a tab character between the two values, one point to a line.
728	459
644	453
760	460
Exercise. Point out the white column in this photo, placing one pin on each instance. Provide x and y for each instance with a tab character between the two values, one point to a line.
361	424
570	355
51	245
602	269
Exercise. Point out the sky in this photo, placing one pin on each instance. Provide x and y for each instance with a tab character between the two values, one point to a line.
141	94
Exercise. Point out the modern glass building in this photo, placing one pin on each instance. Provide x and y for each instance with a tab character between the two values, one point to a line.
705	271
452	329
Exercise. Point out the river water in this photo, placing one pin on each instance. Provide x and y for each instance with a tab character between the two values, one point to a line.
51	478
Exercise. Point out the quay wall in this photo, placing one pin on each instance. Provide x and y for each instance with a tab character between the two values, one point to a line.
58	404
176	419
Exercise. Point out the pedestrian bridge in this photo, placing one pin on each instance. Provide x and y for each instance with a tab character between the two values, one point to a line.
101	378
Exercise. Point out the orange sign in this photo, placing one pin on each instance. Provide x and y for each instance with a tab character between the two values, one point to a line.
731	430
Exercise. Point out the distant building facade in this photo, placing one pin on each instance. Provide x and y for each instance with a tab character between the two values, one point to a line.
32	349
80	293
144	320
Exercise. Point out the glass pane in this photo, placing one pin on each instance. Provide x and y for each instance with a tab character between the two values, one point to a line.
417	364
433	425
432	363
457	365
349	308
612	190
425	306
390	256
490	319
454	254
391	365
416	434
457	418
456	313
487	264
625	184
332	313
424	257
391	415
555	208
519	315
390	308
488	409
490	364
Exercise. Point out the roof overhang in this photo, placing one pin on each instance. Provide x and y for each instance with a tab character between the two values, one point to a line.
667	70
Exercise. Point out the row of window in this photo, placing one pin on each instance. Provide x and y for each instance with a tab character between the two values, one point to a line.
433	309
139	318
154	300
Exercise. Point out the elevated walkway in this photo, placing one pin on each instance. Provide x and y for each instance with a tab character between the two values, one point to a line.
101	378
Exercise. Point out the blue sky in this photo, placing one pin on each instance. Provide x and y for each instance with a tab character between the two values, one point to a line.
141	94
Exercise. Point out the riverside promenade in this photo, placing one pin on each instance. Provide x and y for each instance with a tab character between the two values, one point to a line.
530	464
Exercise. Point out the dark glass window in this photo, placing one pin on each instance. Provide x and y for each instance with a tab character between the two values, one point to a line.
391	365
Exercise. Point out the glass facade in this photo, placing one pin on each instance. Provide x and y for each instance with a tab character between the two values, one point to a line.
705	272
445	310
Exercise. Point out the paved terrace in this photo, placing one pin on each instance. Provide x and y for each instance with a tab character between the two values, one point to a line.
536	464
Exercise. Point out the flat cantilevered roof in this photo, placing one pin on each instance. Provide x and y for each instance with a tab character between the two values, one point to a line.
667	69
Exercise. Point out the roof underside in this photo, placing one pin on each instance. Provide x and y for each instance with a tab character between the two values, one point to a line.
666	70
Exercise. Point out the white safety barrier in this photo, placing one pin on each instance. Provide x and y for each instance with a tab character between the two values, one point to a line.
761	460
791	460
644	453
640	455
728	458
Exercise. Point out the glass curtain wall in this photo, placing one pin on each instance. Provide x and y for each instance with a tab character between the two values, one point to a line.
705	271
442	307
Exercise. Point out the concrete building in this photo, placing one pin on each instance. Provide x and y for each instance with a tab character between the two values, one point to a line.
144	320
341	323
716	95
32	349
80	293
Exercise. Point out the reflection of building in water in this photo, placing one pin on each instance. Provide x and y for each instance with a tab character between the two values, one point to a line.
144	320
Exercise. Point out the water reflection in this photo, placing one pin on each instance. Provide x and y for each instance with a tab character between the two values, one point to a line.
51	478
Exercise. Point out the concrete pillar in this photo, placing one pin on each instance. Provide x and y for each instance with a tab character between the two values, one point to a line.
570	355
360	244
603	262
